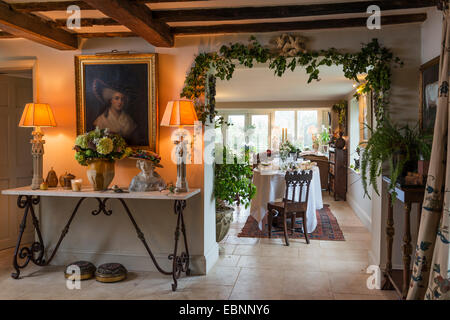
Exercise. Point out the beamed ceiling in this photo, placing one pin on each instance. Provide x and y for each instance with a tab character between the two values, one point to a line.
159	21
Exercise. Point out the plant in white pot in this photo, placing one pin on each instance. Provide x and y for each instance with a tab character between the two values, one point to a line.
232	185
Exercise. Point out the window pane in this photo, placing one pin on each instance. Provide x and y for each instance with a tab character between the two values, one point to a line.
260	134
283	119
307	125
236	133
354	127
218	135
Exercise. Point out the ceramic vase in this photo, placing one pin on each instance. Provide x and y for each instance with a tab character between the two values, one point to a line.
100	173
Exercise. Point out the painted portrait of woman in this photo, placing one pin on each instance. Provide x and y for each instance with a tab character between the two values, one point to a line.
118	92
113	115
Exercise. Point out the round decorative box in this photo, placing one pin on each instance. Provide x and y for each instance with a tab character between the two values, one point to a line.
87	269
110	272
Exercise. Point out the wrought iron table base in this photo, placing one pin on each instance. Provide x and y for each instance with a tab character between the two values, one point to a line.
35	253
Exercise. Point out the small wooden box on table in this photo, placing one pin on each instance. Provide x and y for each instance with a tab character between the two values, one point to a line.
28	198
407	195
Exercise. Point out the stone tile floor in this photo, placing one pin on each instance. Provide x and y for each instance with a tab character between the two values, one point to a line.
247	269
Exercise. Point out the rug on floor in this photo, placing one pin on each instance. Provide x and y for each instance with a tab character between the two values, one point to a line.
327	228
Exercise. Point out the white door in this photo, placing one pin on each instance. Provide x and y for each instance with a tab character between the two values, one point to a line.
15	156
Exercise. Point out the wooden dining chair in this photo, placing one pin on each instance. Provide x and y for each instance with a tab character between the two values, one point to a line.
293	207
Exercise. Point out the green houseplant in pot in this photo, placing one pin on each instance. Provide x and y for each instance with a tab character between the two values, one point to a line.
98	150
400	146
232	185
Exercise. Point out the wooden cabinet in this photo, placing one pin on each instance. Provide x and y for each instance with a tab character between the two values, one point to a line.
323	164
338	172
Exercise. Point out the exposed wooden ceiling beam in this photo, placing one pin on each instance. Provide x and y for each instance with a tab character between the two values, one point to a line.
138	18
62	5
243	13
107	34
296	25
89	22
35	29
272	27
6	35
49	6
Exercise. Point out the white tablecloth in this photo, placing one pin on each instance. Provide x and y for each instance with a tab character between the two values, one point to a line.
271	186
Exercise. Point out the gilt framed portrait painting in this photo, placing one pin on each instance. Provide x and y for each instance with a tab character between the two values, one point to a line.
118	92
429	89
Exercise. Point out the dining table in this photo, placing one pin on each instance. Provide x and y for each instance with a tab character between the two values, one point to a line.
271	186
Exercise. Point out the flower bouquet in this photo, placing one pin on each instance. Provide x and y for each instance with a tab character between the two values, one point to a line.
286	148
98	150
100	144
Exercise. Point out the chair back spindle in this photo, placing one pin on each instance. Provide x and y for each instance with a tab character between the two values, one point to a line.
302	180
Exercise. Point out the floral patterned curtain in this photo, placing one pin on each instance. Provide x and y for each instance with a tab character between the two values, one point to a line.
429	279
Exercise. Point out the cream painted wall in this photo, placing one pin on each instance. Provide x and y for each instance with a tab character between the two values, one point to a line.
431	33
274	104
56	86
360	204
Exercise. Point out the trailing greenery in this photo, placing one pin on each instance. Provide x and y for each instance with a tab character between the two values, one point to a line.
400	146
373	61
341	109
233	181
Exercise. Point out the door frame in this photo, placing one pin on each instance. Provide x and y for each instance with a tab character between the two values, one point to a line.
24	63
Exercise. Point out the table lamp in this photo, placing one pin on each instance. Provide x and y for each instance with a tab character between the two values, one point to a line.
180	113
37	115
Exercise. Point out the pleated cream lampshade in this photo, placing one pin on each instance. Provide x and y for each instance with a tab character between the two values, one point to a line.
37	115
179	113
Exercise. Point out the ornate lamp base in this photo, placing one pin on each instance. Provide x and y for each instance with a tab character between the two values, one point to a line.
37	151
181	184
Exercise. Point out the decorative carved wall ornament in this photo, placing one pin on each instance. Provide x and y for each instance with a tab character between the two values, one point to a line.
290	45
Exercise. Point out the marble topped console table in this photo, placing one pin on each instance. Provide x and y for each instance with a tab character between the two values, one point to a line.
28	198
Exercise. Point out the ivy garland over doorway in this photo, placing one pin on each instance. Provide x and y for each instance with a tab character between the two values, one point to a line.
373	61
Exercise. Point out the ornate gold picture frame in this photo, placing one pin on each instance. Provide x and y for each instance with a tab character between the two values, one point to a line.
118	92
429	82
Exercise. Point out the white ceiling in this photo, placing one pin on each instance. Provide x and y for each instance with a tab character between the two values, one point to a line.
260	84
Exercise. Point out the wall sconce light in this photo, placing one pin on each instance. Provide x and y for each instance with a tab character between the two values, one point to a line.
37	115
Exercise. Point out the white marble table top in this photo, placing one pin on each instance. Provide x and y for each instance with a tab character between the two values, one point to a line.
90	193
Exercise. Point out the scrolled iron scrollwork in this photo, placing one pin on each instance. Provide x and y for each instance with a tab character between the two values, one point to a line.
102	208
179	206
23	201
181	264
29	254
35	252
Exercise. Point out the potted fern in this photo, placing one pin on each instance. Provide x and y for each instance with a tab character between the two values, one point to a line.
400	146
232	185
